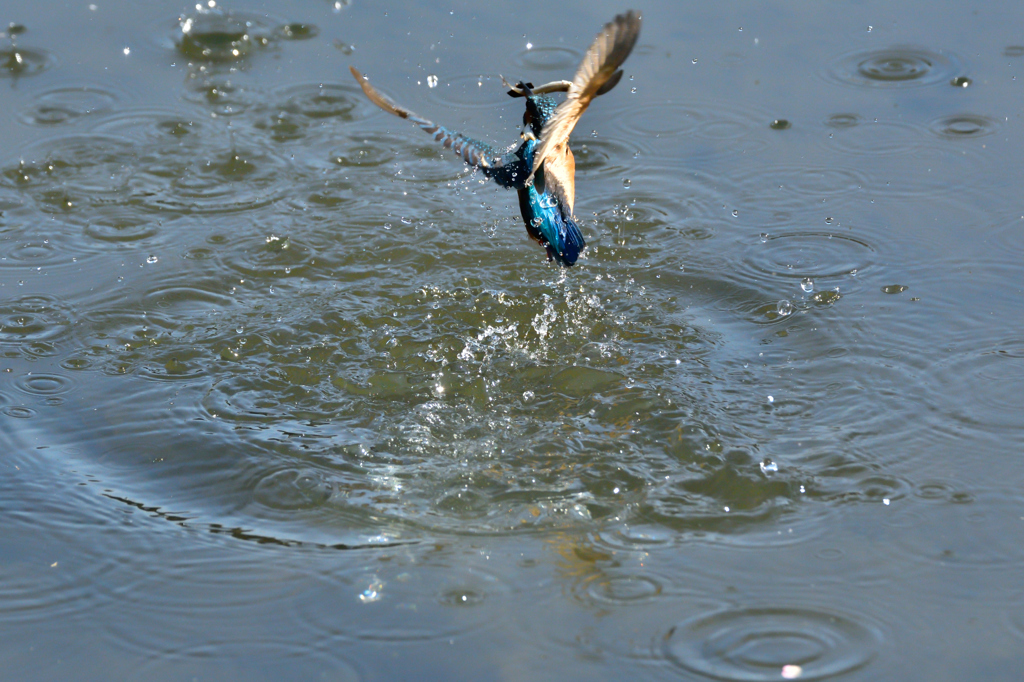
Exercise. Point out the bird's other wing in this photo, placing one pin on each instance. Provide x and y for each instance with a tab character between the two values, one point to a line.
473	152
597	73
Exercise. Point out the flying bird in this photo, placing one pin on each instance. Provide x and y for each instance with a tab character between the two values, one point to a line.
541	168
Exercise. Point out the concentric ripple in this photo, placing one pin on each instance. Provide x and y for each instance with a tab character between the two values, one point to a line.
857	136
620	590
159	171
758	644
606	156
635	538
183	590
897	66
81	171
925	538
120	225
366	149
65	104
145	125
826	181
961	126
814	254
229	657
219	95
469	92
34	253
178	299
33	318
210	181
299	110
402	606
222	36
18	411
274	257
545	59
993	378
45	385
700	120
293	489
30	593
18	62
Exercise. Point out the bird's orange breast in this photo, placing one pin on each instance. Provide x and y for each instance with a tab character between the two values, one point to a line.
560	172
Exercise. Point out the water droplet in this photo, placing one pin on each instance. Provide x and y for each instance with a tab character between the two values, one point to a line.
527	396
828	220
960	82
781	124
632	90
626	182
372	592
764	237
735	213
807	284
768	467
432	81
894	289
694	60
771	399
784	308
593	133
152	259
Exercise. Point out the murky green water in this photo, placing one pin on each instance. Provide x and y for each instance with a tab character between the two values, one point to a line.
287	392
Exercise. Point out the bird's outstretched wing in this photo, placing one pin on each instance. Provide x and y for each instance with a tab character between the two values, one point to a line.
597	73
492	162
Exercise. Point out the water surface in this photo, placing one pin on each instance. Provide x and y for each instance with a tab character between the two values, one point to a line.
287	393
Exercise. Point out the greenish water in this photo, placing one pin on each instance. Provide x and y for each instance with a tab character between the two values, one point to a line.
286	392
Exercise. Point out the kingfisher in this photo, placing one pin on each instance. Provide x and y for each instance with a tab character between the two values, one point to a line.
541	168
